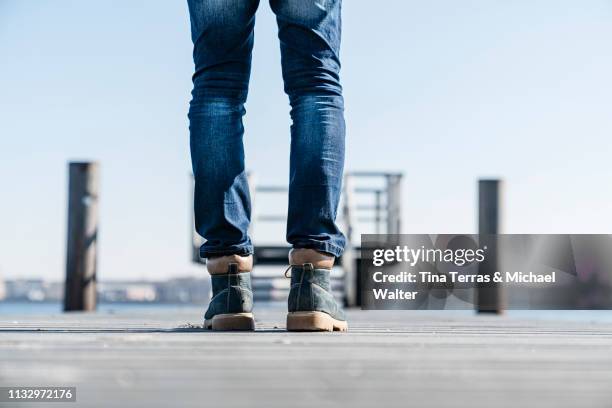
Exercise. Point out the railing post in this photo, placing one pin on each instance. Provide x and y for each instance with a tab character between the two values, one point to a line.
349	263
80	289
377	211
252	182
394	199
489	297
196	240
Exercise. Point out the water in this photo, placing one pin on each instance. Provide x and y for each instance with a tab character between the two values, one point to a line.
50	308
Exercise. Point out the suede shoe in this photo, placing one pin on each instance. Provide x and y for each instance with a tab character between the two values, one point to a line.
311	305
231	306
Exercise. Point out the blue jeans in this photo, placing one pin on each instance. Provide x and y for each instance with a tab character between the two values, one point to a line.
309	33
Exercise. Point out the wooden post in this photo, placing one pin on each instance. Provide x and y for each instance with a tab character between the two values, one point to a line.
489	295
80	290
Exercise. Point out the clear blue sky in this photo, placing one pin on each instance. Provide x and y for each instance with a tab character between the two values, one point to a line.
446	91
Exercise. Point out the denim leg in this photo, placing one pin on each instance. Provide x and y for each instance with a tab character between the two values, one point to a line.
309	33
222	33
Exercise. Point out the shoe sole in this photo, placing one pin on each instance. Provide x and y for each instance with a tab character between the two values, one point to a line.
231	322
314	321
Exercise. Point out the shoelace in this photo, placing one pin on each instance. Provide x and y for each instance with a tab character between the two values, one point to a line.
292	265
287	270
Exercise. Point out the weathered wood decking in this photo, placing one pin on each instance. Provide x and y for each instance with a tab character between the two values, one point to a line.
387	359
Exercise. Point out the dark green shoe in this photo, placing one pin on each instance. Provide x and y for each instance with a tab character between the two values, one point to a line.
312	306
232	303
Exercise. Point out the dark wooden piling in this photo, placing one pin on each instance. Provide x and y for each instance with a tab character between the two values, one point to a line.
80	289
489	297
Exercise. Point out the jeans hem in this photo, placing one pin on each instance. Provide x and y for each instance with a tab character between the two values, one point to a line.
327	247
207	253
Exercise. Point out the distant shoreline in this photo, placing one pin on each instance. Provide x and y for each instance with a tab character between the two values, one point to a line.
15	307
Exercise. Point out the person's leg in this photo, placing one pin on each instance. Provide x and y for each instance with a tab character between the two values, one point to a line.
309	33
222	33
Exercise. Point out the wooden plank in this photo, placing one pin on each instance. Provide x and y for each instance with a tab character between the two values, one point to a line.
390	358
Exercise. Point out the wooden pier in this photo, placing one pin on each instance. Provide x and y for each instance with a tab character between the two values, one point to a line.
387	359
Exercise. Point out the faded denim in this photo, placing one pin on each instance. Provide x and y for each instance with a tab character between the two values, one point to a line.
309	33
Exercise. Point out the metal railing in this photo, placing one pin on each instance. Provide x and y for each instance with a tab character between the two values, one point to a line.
370	203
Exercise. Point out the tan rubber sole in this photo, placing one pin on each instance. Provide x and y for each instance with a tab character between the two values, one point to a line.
314	321
231	322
